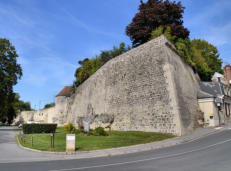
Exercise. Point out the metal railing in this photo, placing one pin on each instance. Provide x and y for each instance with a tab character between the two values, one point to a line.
26	139
33	140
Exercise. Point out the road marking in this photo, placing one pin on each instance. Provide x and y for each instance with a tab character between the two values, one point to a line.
149	159
218	128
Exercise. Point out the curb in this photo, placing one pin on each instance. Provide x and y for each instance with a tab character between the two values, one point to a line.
124	150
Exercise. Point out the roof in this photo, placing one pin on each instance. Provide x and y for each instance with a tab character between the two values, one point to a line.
209	90
227	65
202	95
66	91
217	75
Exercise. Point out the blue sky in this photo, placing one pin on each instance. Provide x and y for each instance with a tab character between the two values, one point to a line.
52	36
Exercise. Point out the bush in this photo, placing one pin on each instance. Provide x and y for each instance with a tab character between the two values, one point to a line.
100	132
38	128
69	128
77	131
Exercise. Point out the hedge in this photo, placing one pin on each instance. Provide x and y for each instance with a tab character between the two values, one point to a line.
38	128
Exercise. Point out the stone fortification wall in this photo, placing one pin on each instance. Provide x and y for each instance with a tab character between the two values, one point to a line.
61	109
23	117
148	88
42	116
184	84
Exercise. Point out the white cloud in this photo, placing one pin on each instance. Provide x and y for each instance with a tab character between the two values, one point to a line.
36	79
43	70
41	64
74	20
204	25
219	35
13	14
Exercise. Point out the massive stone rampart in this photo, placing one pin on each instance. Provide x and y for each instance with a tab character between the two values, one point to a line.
148	88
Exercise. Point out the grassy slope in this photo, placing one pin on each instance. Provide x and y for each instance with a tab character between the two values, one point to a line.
86	143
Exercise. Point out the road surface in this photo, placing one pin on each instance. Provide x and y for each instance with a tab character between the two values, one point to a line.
211	153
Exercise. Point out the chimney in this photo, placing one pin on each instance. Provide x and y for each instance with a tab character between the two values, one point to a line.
228	73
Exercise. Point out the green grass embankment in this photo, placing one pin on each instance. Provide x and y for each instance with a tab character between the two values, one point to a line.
89	142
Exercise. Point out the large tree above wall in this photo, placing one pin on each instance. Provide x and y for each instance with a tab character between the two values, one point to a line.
155	13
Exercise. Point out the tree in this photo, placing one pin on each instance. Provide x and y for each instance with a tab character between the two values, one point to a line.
87	68
49	105
206	59
10	72
20	105
202	56
155	13
90	66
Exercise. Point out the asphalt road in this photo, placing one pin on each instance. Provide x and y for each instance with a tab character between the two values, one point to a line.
211	153
10	152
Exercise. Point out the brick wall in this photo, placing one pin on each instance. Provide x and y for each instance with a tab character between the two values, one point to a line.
228	73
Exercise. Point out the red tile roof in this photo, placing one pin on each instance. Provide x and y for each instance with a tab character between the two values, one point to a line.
66	91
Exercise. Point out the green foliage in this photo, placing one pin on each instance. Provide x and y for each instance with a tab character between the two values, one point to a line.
157	32
87	68
24	106
153	14
99	131
166	31
202	56
49	105
183	47
69	128
90	66
38	128
20	105
10	72
206	59
14	106
157	17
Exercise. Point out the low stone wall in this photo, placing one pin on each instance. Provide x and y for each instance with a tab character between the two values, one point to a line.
23	117
42	116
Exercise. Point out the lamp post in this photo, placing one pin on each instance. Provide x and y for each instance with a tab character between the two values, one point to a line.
219	102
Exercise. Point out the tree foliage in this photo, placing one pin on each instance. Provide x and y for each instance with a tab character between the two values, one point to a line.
20	105
155	13
10	72
49	105
69	128
90	66
199	54
206	59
